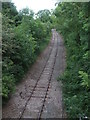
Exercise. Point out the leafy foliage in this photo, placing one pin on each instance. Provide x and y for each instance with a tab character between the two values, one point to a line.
23	39
85	80
73	23
44	15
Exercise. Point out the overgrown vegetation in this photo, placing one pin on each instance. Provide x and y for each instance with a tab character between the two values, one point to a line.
73	22
24	37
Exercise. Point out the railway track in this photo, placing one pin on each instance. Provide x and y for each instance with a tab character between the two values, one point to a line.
39	95
43	81
40	114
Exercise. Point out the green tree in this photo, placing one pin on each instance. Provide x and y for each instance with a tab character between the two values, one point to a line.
44	15
73	23
23	39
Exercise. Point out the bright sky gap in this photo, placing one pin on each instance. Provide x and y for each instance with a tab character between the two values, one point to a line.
35	5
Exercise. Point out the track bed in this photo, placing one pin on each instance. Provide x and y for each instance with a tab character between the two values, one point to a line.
39	95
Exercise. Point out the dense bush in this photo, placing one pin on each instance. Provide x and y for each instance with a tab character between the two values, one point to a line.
73	23
23	39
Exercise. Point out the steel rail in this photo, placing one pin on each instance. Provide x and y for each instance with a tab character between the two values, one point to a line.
41	112
31	95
